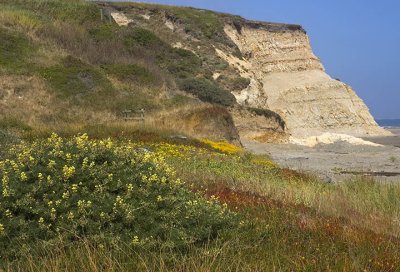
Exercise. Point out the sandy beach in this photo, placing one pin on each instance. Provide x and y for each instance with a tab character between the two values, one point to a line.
390	140
339	161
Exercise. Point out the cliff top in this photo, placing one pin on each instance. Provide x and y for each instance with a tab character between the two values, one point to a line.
187	12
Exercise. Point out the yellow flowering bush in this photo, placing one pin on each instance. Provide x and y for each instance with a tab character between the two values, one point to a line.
223	147
264	162
100	190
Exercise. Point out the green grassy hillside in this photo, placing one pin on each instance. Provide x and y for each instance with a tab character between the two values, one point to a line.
85	70
93	69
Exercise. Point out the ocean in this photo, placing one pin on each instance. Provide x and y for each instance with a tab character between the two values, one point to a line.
389	123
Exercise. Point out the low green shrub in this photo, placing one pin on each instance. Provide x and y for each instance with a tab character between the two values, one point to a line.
73	77
78	11
15	49
104	32
180	63
14	123
142	37
237	53
207	91
234	83
200	23
101	191
130	73
269	114
7	139
240	83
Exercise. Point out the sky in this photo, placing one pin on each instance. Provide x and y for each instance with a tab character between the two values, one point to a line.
358	41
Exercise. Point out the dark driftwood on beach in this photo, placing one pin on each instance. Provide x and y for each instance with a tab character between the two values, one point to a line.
372	174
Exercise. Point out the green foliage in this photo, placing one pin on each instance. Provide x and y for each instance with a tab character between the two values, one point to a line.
101	191
234	84
240	83
181	63
104	32
15	49
78	11
74	77
269	114
207	91
285	215
7	139
142	37
14	123
237	53
19	18
130	73
200	23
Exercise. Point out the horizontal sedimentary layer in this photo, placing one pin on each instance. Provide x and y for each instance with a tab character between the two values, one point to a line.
292	82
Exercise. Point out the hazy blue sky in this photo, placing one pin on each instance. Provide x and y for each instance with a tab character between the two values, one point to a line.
358	41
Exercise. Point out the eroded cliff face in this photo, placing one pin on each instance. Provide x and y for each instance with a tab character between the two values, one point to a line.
286	77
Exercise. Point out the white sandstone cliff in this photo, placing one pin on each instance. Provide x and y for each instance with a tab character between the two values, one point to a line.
286	77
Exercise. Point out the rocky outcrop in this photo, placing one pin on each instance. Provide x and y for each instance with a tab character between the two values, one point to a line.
286	77
201	121
254	125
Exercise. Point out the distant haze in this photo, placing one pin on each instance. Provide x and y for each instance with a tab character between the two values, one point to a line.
357	41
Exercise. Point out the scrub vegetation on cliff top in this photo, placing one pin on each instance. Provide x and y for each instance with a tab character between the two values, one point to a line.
102	196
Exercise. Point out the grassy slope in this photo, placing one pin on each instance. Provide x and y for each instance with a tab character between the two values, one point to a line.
92	68
291	221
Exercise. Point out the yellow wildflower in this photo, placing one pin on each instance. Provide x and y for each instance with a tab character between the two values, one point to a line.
23	176
8	213
85	162
107	143
65	195
264	162
14	166
81	140
68	171
68	156
74	187
70	216
135	240
224	147
53	213
51	164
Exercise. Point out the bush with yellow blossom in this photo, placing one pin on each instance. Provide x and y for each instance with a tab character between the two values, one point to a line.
102	191
223	147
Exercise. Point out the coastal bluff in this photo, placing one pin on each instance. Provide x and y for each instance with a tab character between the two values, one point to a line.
284	75
193	71
289	79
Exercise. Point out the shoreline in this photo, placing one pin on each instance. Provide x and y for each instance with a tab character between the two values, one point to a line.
387	140
338	161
